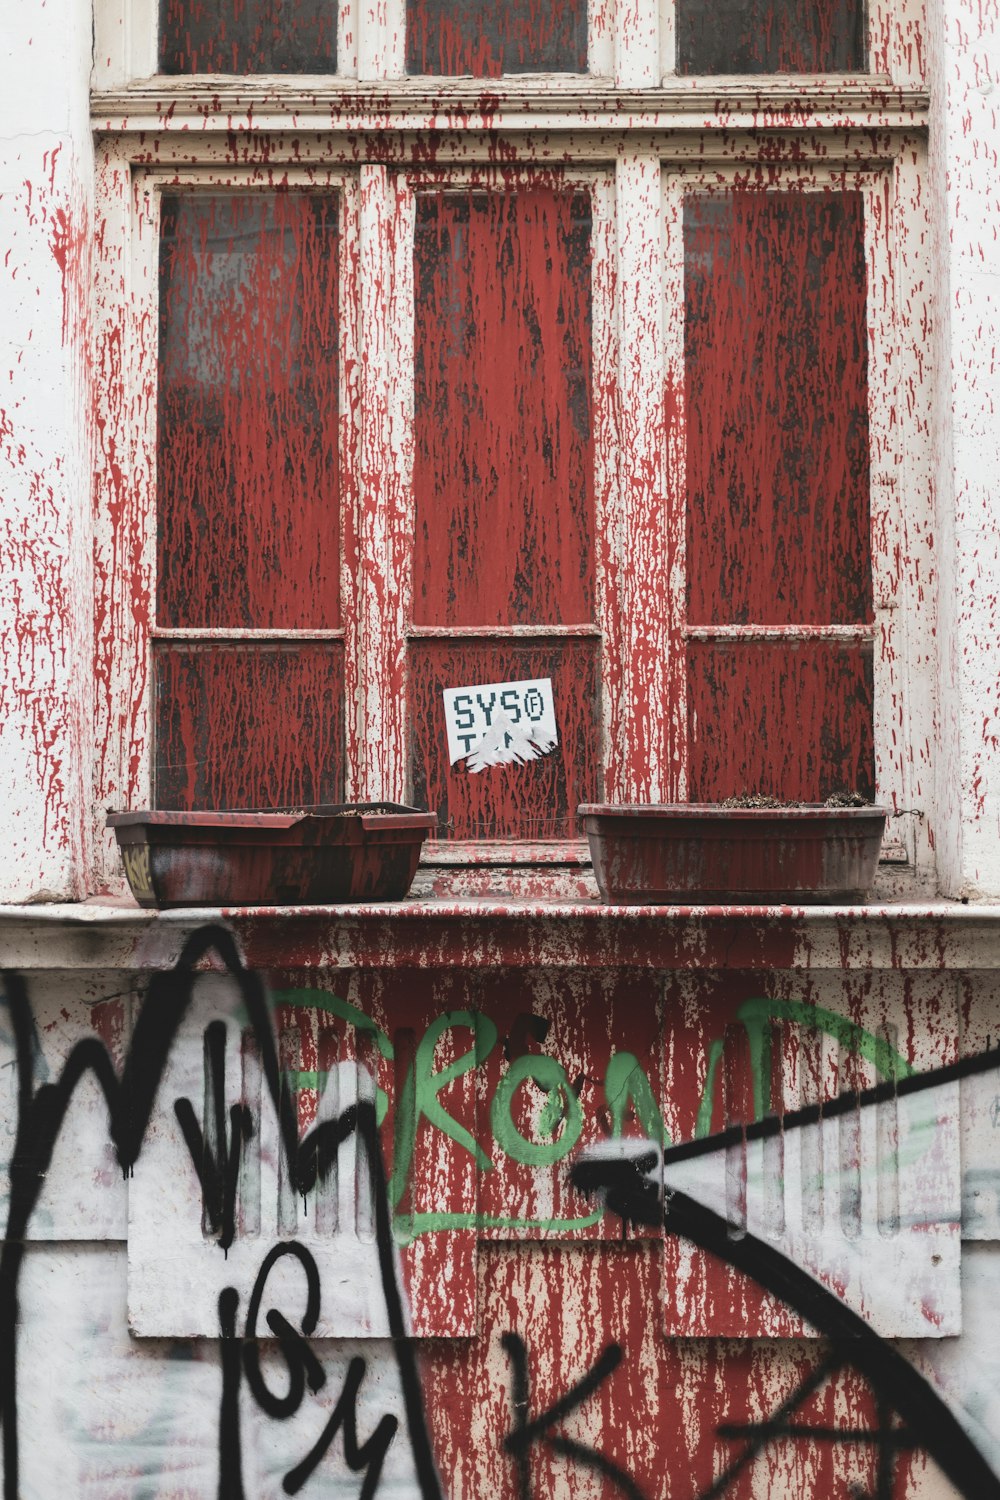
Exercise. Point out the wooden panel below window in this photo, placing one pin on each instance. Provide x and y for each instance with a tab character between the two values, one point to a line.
537	800
237	727
779	718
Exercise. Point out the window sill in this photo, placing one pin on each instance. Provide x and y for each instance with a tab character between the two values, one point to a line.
469	105
487	932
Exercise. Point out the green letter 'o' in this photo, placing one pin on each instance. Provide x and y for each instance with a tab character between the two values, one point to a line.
550	1074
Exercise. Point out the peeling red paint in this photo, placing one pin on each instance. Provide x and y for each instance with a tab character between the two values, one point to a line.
503	463
248	505
248	728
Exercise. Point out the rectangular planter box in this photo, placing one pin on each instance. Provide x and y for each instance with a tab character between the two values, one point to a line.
706	854
307	857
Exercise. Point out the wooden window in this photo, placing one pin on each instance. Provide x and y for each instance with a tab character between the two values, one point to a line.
248	650
774	357
503	483
511	528
547	46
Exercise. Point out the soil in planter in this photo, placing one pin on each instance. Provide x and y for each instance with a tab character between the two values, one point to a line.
835	799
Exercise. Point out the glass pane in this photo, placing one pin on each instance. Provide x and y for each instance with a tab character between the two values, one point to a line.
238	727
248	36
247	454
771	36
779	719
490	37
777	409
503	467
536	800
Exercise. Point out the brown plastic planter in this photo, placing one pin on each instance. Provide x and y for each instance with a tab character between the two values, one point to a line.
308	857
703	854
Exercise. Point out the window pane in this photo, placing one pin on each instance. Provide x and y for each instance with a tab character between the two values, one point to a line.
777	409
247	454
771	36
248	36
490	37
237	727
503	467
783	720
537	800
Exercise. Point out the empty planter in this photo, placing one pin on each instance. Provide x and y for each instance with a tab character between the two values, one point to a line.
706	854
306	857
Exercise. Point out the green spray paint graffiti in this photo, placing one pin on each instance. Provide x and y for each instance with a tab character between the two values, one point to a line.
757	1017
560	1122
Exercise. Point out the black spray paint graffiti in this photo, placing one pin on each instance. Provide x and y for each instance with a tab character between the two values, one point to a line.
631	1188
241	1355
631	1192
528	1430
130	1101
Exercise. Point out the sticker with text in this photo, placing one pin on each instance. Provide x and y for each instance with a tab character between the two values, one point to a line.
500	723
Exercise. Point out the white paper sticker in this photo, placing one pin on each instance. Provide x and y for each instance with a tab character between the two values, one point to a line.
500	723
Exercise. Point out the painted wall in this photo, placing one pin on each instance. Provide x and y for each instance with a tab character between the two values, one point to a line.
46	608
344	1231
964	137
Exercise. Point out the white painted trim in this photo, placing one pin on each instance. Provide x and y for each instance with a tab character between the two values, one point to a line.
637	44
918	640
638	681
126	48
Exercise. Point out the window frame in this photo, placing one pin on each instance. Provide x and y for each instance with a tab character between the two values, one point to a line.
631	46
639	123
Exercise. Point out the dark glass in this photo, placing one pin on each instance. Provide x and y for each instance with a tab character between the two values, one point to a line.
771	36
248	36
776	399
780	719
257	726
489	37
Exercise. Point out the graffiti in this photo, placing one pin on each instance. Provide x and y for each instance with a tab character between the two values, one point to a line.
631	1184
560	1124
218	1174
130	1101
303	1369
526	1431
889	1439
277	1363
